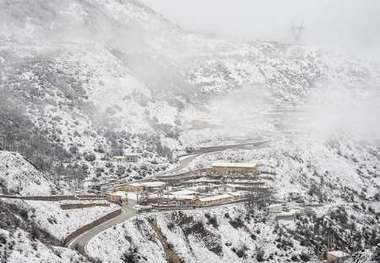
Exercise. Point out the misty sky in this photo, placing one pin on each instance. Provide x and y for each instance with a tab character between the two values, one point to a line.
350	24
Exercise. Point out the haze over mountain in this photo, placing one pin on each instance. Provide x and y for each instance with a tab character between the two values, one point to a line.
82	82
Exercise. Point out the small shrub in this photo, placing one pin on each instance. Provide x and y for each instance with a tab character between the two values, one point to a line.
259	254
89	157
3	239
171	226
211	220
236	223
304	257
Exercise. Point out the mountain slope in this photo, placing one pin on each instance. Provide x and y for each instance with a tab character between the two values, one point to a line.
84	81
18	176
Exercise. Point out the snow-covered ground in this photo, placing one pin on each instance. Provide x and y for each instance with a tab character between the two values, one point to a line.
25	249
60	223
18	176
101	78
204	242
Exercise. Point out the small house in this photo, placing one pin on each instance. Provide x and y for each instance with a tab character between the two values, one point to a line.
337	256
231	169
275	208
128	158
213	200
118	197
185	200
150	186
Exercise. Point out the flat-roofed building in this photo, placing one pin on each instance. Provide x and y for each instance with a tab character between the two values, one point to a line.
145	186
187	200
129	158
232	169
118	197
337	256
213	200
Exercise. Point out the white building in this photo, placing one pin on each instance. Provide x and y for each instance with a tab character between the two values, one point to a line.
118	197
234	169
337	256
129	158
145	186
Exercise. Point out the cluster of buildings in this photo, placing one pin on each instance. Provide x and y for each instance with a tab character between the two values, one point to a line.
218	184
221	183
288	211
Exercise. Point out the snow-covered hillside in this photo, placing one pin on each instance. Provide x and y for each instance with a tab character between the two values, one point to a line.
50	217
18	176
84	81
21	240
99	78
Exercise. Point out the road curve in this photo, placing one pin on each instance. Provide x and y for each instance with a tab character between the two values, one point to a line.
128	211
188	158
82	240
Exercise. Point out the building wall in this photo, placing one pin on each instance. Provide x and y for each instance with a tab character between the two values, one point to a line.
114	199
234	170
201	202
334	259
133	188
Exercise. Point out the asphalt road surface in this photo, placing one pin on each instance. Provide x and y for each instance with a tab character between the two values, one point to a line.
192	155
82	240
128	211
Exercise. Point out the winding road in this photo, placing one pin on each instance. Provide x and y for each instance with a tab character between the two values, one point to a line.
188	158
128	211
82	240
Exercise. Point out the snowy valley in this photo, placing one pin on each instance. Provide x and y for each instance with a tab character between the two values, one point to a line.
98	97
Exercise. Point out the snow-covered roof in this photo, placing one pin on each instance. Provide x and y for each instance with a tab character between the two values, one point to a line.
236	193
203	179
214	197
118	193
185	197
338	254
183	192
125	156
235	165
148	184
241	185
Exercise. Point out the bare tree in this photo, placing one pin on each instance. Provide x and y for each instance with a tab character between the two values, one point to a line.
257	199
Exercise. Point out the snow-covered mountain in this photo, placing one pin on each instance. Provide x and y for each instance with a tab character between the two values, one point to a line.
18	176
82	81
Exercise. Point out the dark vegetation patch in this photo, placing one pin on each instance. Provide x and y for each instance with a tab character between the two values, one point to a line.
132	256
241	252
259	251
196	228
336	227
43	148
236	223
14	217
211	220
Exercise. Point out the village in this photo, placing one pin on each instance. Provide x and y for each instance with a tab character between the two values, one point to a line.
216	185
222	183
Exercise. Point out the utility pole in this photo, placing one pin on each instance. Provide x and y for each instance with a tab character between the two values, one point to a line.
297	31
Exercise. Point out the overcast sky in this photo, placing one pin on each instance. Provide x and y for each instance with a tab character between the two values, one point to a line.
350	24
